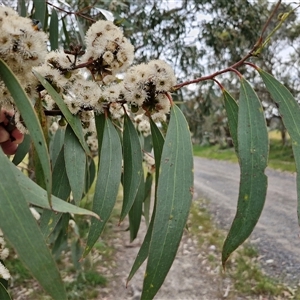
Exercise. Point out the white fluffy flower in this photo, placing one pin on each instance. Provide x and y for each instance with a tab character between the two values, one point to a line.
92	142
146	86
4	253
108	48
4	273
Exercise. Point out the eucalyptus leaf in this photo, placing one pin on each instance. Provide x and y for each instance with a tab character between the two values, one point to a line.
29	116
22	150
108	179
37	196
133	168
135	213
75	164
40	9
158	143
253	150
4	295
53	30
26	237
174	196
232	109
289	111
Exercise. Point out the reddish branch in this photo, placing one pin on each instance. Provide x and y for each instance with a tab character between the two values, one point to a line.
237	64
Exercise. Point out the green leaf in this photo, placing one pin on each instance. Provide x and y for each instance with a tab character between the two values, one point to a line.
56	144
53	30
37	196
143	252
135	213
22	150
61	189
40	11
75	159
108	181
22	11
289	110
158	143
66	33
90	174
147	197
4	295
133	168
73	121
174	196
29	116
22	232
232	111
253	156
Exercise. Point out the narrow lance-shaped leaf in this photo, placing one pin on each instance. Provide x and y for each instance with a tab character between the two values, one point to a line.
90	174
22	11
232	111
158	143
4	295
22	232
289	110
37	196
133	168
174	196
53	30
29	116
22	150
61	189
40	10
56	143
37	165
253	157
135	213
108	180
72	120
75	160
147	197
66	33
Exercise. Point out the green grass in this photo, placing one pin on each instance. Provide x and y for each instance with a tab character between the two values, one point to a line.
280	157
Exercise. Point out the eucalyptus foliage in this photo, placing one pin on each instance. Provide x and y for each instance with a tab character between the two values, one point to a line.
125	112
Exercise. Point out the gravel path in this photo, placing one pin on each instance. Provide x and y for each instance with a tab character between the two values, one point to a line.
277	232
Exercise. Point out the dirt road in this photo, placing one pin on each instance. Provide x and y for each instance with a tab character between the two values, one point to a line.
277	232
191	277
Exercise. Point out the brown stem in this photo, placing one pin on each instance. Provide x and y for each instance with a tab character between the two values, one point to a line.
170	98
218	83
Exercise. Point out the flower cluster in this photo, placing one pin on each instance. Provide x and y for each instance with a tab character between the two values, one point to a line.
22	47
109	50
87	81
4	252
146	85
